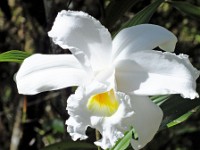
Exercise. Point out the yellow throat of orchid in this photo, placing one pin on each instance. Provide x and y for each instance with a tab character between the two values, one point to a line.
103	104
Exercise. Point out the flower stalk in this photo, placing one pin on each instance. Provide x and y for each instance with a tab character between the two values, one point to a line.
97	134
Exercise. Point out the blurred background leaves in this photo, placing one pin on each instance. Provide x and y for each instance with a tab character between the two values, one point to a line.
33	122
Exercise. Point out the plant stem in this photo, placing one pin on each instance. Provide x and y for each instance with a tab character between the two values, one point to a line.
97	138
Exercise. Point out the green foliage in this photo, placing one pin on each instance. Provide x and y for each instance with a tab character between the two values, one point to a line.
159	99
124	142
14	56
181	119
187	8
67	145
58	126
116	9
179	108
144	15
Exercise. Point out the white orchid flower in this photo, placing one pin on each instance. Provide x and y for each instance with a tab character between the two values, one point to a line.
114	78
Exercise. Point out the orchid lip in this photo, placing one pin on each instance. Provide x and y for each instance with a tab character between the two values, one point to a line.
103	104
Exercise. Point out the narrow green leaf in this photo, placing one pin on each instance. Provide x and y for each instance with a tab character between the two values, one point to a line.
186	8
124	142
68	145
180	119
14	56
144	15
176	106
116	9
160	99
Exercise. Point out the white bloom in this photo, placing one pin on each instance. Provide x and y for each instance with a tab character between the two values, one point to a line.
114	78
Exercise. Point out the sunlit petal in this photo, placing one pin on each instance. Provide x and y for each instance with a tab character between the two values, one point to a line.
142	37
146	120
78	30
157	73
40	73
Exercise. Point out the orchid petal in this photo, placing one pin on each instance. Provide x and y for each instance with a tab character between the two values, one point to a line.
144	36
159	73
81	32
40	73
146	120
